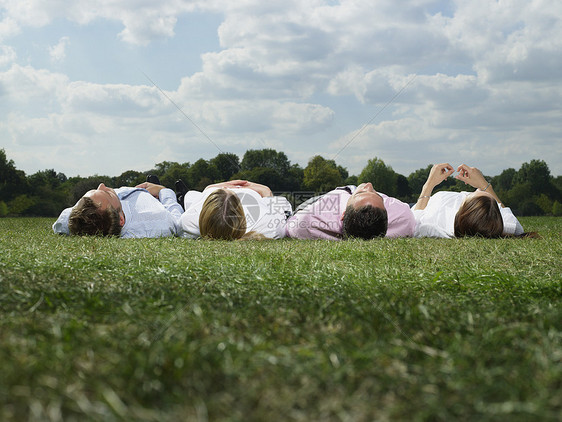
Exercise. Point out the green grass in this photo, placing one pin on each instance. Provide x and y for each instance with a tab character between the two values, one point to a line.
172	329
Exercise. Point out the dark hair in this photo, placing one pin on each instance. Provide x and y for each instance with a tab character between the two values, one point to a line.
365	222
87	219
479	216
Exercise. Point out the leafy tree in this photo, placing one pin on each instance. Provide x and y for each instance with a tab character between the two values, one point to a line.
264	175
403	190
3	209
417	179
557	182
351	180
129	178
557	209
259	163
518	195
47	178
537	173
201	174
12	181
505	180
530	208
177	171
380	175
545	203
267	158
296	178
48	192
170	171
20	204
343	171
162	168
226	164
321	175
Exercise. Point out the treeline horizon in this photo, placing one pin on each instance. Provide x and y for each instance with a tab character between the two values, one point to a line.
529	191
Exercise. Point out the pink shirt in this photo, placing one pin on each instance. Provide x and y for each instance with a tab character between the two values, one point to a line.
323	218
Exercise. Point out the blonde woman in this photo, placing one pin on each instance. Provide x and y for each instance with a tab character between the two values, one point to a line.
237	209
458	214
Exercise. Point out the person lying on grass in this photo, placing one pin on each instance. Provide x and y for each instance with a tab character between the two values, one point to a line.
237	209
458	214
147	210
351	211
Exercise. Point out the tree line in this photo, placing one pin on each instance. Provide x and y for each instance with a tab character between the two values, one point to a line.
530	190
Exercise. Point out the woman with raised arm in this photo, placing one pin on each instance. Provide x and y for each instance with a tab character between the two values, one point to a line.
458	214
237	209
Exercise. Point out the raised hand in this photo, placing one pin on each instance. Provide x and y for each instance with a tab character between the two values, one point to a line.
439	173
471	176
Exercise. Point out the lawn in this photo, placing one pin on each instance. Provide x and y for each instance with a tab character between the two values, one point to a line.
173	329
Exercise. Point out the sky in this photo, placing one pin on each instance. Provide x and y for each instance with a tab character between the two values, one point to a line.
105	86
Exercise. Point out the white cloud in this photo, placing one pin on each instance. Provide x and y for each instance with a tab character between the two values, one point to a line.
31	91
7	55
58	52
505	39
150	26
8	28
292	74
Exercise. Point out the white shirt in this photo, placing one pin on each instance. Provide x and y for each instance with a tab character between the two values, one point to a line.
145	216
265	215
438	217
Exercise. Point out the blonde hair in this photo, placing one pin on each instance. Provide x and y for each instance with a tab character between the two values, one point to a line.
222	216
479	216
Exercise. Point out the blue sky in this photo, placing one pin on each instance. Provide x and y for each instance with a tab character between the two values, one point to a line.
474	82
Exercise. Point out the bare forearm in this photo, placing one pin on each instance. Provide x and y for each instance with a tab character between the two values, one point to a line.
424	196
438	173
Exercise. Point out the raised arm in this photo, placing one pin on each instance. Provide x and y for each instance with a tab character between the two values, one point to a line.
438	173
474	177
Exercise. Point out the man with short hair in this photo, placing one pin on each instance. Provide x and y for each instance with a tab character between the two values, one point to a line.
147	210
352	211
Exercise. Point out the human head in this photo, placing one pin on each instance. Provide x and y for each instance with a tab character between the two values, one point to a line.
222	216
365	215
98	212
479	215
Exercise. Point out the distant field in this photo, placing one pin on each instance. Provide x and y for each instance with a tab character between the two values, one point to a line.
173	329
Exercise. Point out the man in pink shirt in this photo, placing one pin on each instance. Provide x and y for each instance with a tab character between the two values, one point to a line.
352	212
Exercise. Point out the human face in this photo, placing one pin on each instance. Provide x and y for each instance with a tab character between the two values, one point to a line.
104	197
365	195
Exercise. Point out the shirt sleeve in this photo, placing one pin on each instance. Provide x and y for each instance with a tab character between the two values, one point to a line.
510	223
61	225
189	220
401	221
168	198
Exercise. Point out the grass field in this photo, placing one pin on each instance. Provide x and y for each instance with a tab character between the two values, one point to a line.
172	329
